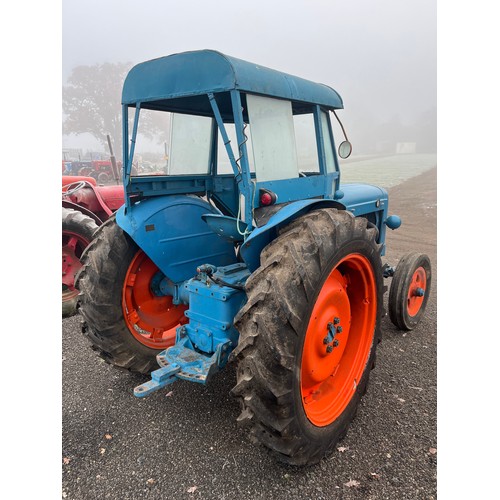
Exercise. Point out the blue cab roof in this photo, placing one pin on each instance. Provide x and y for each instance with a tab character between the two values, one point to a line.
185	75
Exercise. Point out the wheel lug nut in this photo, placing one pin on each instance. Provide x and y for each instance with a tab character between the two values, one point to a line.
335	343
336	321
329	349
339	329
325	340
419	292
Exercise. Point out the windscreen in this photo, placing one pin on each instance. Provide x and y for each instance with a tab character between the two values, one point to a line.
273	138
171	144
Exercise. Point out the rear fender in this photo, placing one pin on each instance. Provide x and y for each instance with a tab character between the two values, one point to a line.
83	210
171	232
90	196
260	237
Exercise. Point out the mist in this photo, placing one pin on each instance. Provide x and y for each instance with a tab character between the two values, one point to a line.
380	56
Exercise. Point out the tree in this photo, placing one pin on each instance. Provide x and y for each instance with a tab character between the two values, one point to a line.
92	102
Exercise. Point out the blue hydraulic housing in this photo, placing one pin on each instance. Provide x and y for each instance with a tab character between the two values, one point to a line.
213	304
204	344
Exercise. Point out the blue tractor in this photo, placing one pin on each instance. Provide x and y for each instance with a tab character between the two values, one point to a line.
245	247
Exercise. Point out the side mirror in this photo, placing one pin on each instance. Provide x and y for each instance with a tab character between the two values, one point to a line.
345	149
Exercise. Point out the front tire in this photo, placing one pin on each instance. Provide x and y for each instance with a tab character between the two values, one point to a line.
300	378
409	291
125	320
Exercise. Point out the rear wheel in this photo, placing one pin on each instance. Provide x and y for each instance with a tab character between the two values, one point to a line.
77	232
126	319
308	334
409	290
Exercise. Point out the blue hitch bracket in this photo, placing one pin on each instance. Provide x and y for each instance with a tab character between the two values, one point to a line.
159	379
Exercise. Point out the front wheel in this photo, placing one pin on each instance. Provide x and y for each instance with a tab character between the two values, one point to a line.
308	334
126	318
409	290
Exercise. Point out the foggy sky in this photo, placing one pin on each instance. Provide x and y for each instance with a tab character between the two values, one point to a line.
380	55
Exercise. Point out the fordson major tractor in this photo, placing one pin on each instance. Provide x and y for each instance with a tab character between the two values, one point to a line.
247	248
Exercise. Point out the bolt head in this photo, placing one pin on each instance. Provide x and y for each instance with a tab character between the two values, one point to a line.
336	321
339	329
329	349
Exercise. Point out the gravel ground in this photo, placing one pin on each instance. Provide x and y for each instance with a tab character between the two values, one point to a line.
183	442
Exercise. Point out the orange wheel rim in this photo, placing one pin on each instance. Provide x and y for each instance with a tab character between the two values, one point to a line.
333	358
73	245
416	292
152	319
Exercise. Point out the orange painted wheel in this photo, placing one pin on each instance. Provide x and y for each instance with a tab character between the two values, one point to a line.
409	290
309	333
152	319
126	318
338	339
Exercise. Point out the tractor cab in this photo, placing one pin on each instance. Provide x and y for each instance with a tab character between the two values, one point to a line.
247	139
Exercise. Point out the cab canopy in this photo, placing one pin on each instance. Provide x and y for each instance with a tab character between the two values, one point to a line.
172	83
236	128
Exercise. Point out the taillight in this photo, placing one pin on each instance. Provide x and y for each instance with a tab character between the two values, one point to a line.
267	197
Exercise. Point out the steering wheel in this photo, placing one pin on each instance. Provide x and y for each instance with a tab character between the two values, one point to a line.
76	187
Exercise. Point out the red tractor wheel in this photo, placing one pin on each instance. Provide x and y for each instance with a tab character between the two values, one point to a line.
308	334
77	232
409	290
126	319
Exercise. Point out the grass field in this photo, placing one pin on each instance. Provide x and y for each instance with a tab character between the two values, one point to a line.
385	171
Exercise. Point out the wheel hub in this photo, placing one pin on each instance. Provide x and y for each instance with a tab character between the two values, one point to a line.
151	318
416	291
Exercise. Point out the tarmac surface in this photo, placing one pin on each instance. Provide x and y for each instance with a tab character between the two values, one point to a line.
183	442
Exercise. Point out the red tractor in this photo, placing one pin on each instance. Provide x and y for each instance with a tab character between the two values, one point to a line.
85	206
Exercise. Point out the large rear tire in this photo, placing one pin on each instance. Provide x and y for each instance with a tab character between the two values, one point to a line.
125	320
77	232
300	377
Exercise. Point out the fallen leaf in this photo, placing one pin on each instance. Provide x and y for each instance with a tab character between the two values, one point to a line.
192	489
342	449
108	436
66	460
150	481
102	451
169	394
432	451
352	483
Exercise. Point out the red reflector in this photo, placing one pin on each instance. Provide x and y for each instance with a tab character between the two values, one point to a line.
266	199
